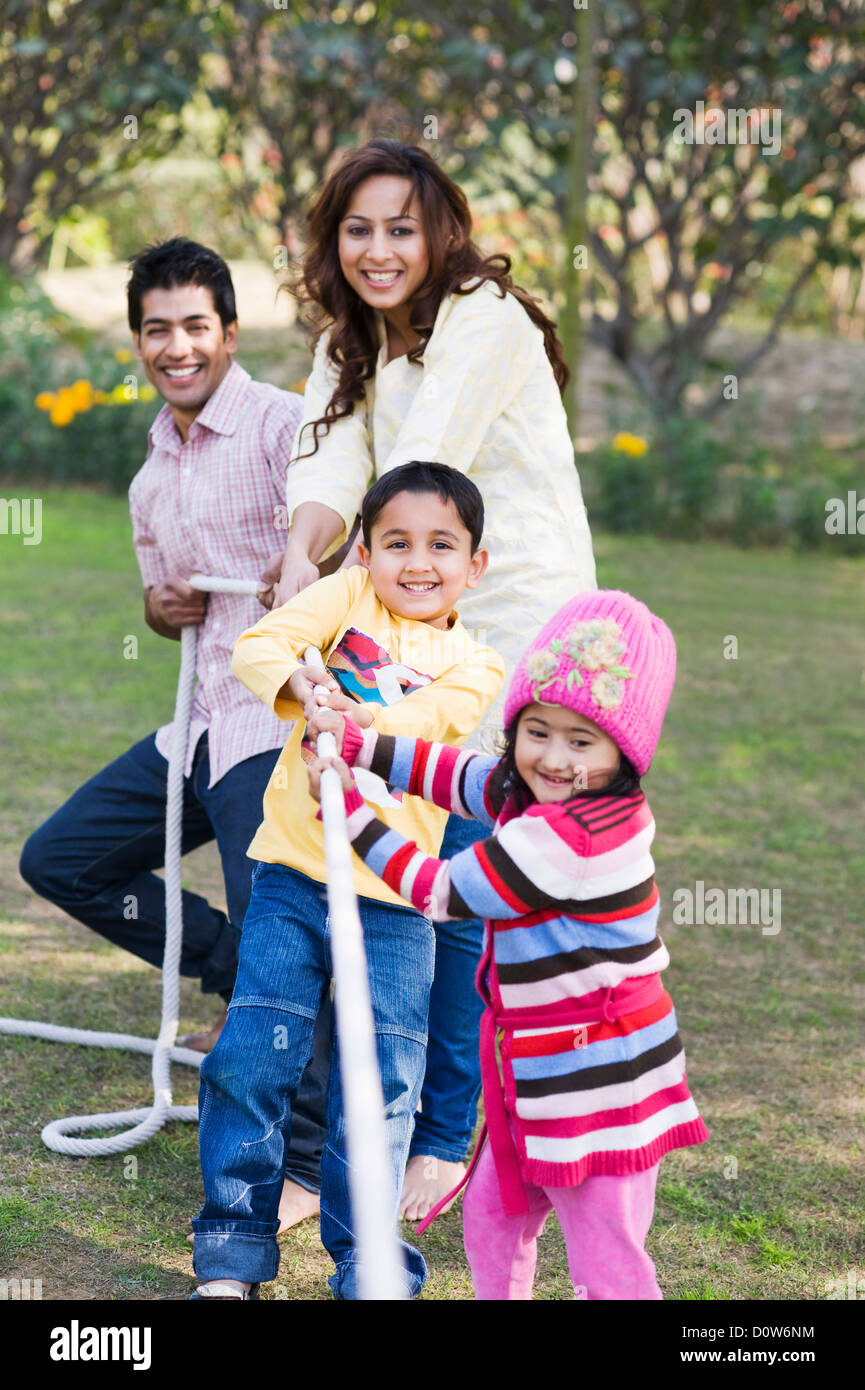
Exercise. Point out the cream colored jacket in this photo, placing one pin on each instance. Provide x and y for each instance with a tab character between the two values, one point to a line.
483	400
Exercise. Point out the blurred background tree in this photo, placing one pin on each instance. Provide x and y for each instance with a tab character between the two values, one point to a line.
87	88
682	230
559	120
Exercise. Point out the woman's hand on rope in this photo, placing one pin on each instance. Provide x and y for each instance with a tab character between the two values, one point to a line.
315	769
285	576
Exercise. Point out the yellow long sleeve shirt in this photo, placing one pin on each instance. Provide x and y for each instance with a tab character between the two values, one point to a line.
458	680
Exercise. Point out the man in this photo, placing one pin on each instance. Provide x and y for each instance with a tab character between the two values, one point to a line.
209	499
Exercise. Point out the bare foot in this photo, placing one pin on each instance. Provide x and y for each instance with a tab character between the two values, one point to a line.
427	1181
295	1205
204	1042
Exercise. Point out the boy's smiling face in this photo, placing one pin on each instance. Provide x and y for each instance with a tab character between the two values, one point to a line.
420	557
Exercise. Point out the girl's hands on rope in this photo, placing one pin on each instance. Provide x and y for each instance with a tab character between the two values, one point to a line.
324	720
314	771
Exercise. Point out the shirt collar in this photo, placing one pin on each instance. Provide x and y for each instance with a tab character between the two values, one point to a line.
381	335
219	414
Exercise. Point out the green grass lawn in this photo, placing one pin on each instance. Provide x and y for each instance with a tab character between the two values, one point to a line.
757	784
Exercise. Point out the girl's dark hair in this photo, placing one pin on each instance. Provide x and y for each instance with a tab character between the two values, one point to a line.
179	262
453	259
418	476
506	781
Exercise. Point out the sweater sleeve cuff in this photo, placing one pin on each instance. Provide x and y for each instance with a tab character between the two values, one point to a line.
358	745
354	802
352	741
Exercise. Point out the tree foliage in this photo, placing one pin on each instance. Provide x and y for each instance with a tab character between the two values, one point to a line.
87	87
677	232
680	227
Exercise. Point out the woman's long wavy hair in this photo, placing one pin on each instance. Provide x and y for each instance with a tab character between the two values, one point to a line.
505	780
453	259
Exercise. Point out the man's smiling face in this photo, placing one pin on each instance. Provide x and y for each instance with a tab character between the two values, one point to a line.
183	347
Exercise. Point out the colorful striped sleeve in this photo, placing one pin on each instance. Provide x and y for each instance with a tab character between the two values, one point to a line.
485	880
453	778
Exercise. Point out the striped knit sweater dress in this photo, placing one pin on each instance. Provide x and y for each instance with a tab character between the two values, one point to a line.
583	1069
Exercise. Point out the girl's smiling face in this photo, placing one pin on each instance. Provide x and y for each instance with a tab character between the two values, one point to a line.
555	747
382	248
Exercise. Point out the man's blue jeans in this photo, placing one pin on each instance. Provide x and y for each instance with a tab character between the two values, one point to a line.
452	1085
96	856
250	1079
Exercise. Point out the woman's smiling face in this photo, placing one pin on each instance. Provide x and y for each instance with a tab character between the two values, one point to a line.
382	248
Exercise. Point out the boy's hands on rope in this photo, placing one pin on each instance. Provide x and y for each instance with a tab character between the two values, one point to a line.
301	687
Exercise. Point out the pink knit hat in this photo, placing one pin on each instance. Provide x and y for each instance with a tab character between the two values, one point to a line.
604	655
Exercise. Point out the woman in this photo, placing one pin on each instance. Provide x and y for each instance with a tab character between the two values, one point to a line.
429	351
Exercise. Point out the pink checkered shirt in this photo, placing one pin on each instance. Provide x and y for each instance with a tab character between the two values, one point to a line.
216	505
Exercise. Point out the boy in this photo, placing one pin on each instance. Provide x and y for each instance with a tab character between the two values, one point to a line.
388	631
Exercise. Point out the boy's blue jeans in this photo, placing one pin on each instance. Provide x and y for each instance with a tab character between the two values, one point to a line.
250	1079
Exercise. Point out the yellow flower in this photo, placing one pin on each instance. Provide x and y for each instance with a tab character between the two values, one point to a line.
120	394
299	386
45	400
63	409
630	444
147	393
123	355
99	397
81	393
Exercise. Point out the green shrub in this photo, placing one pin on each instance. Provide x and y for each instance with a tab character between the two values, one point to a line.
690	484
626	495
41	352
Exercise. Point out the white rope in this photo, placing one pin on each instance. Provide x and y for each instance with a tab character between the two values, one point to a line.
147	1121
379	1263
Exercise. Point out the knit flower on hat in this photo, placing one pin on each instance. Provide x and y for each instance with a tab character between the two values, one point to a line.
541	666
608	690
595	645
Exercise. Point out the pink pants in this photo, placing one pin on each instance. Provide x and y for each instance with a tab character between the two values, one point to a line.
605	1222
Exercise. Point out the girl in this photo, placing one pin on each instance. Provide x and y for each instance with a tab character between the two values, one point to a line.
428	350
583	1071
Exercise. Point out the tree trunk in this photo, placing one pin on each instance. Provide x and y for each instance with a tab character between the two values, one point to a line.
576	222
